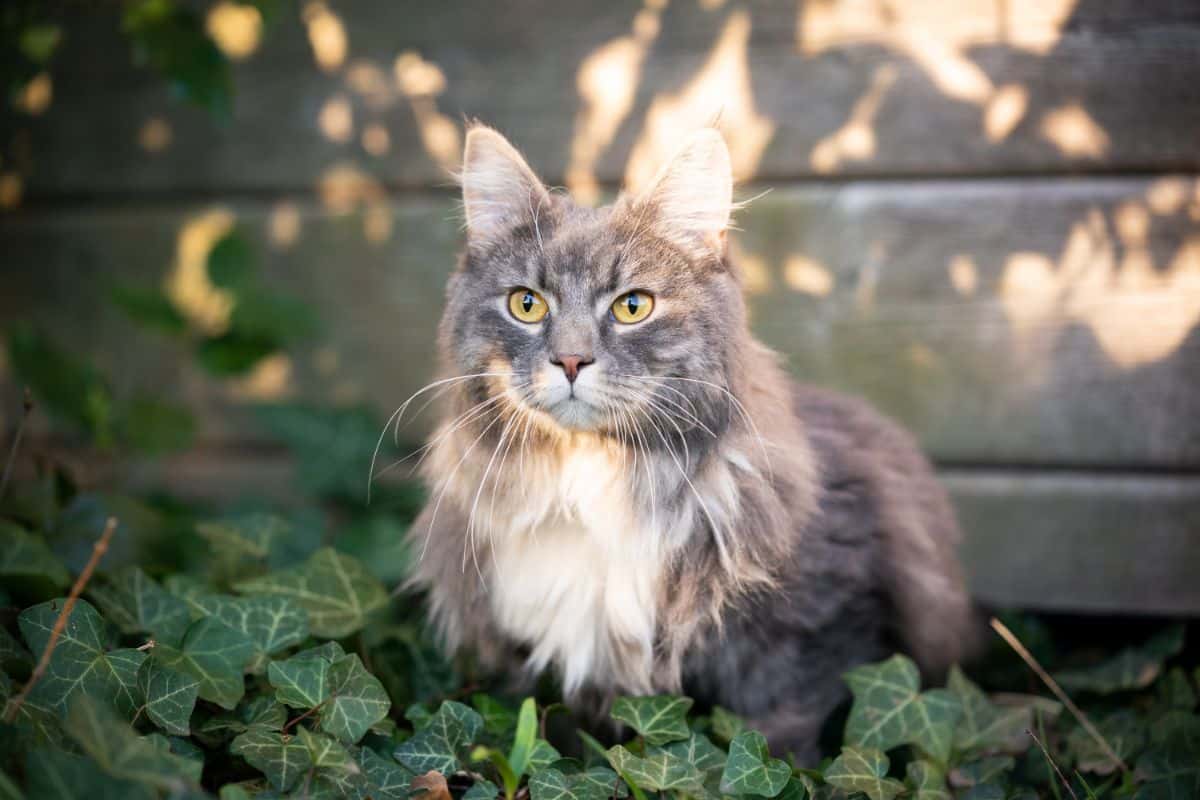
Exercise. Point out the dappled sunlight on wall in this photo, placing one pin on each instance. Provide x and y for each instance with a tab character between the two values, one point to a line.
269	380
721	93
326	36
421	82
336	119
856	139
283	225
1106	278
37	95
236	28
155	135
345	189
206	307
1073	131
607	81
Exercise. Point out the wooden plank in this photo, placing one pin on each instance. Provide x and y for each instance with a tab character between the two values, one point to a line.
1019	322
596	91
1088	543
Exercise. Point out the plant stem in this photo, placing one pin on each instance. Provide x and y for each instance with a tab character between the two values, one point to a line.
60	624
1050	760
1015	643
306	714
26	408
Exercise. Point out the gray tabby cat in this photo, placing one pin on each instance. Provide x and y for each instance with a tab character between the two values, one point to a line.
625	486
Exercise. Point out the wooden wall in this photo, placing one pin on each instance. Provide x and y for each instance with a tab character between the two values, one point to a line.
987	221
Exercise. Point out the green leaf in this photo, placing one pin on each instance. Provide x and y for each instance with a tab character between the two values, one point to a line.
169	696
1132	668
863	770
357	700
983	771
171	40
231	262
120	752
750	768
80	664
597	783
39	40
155	427
542	755
336	591
70	390
273	624
8	789
387	779
438	744
244	536
698	751
326	752
272	317
1175	692
150	308
499	720
27	566
216	655
658	719
54	774
281	758
889	710
14	658
233	353
524	739
927	780
984	726
657	771
1125	733
725	724
485	790
300	681
137	604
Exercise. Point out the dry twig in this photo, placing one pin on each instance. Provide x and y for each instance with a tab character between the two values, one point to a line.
1052	764
60	624
1015	643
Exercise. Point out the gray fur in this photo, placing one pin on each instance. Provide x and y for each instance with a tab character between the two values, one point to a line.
796	532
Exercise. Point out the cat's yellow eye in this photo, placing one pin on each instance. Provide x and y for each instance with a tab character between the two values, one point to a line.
527	305
632	307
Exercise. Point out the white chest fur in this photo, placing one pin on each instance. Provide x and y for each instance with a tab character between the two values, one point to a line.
575	573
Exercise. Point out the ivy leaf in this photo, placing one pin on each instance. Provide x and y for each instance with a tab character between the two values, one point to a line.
120	752
271	623
598	783
698	751
542	755
55	774
436	746
1125	734
657	771
498	719
27	566
486	790
281	758
154	427
984	726
137	604
336	591
1175	692
300	681
658	719
214	654
80	664
927	780
1132	668
326	753
357	700
725	724
863	770
169	696
231	262
387	779
889	709
246	536
982	771
73	392
750	768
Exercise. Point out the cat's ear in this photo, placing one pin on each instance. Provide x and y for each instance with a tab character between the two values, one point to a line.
500	191
692	195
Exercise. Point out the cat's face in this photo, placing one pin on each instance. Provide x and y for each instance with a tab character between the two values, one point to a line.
617	320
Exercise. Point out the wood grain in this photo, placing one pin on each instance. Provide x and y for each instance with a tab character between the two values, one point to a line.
994	88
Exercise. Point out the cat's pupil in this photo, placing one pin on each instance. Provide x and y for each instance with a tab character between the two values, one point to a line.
527	302
631	302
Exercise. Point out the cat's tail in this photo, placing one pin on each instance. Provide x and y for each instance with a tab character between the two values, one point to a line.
935	618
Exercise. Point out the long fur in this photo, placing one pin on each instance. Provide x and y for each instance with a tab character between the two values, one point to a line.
686	519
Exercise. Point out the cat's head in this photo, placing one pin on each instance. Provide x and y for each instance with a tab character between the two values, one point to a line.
621	319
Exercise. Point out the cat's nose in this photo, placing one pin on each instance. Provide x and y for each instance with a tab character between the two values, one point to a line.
571	364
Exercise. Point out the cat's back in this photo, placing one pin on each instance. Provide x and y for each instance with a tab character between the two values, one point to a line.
878	489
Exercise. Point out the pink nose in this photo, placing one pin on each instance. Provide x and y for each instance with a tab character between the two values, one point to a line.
571	364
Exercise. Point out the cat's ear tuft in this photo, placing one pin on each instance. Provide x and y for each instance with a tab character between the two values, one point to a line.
500	191
692	195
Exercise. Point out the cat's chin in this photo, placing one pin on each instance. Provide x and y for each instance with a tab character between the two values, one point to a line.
576	414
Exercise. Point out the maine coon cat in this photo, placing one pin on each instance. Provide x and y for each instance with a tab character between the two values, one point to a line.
627	489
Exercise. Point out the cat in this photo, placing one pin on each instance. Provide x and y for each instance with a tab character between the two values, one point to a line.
626	488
